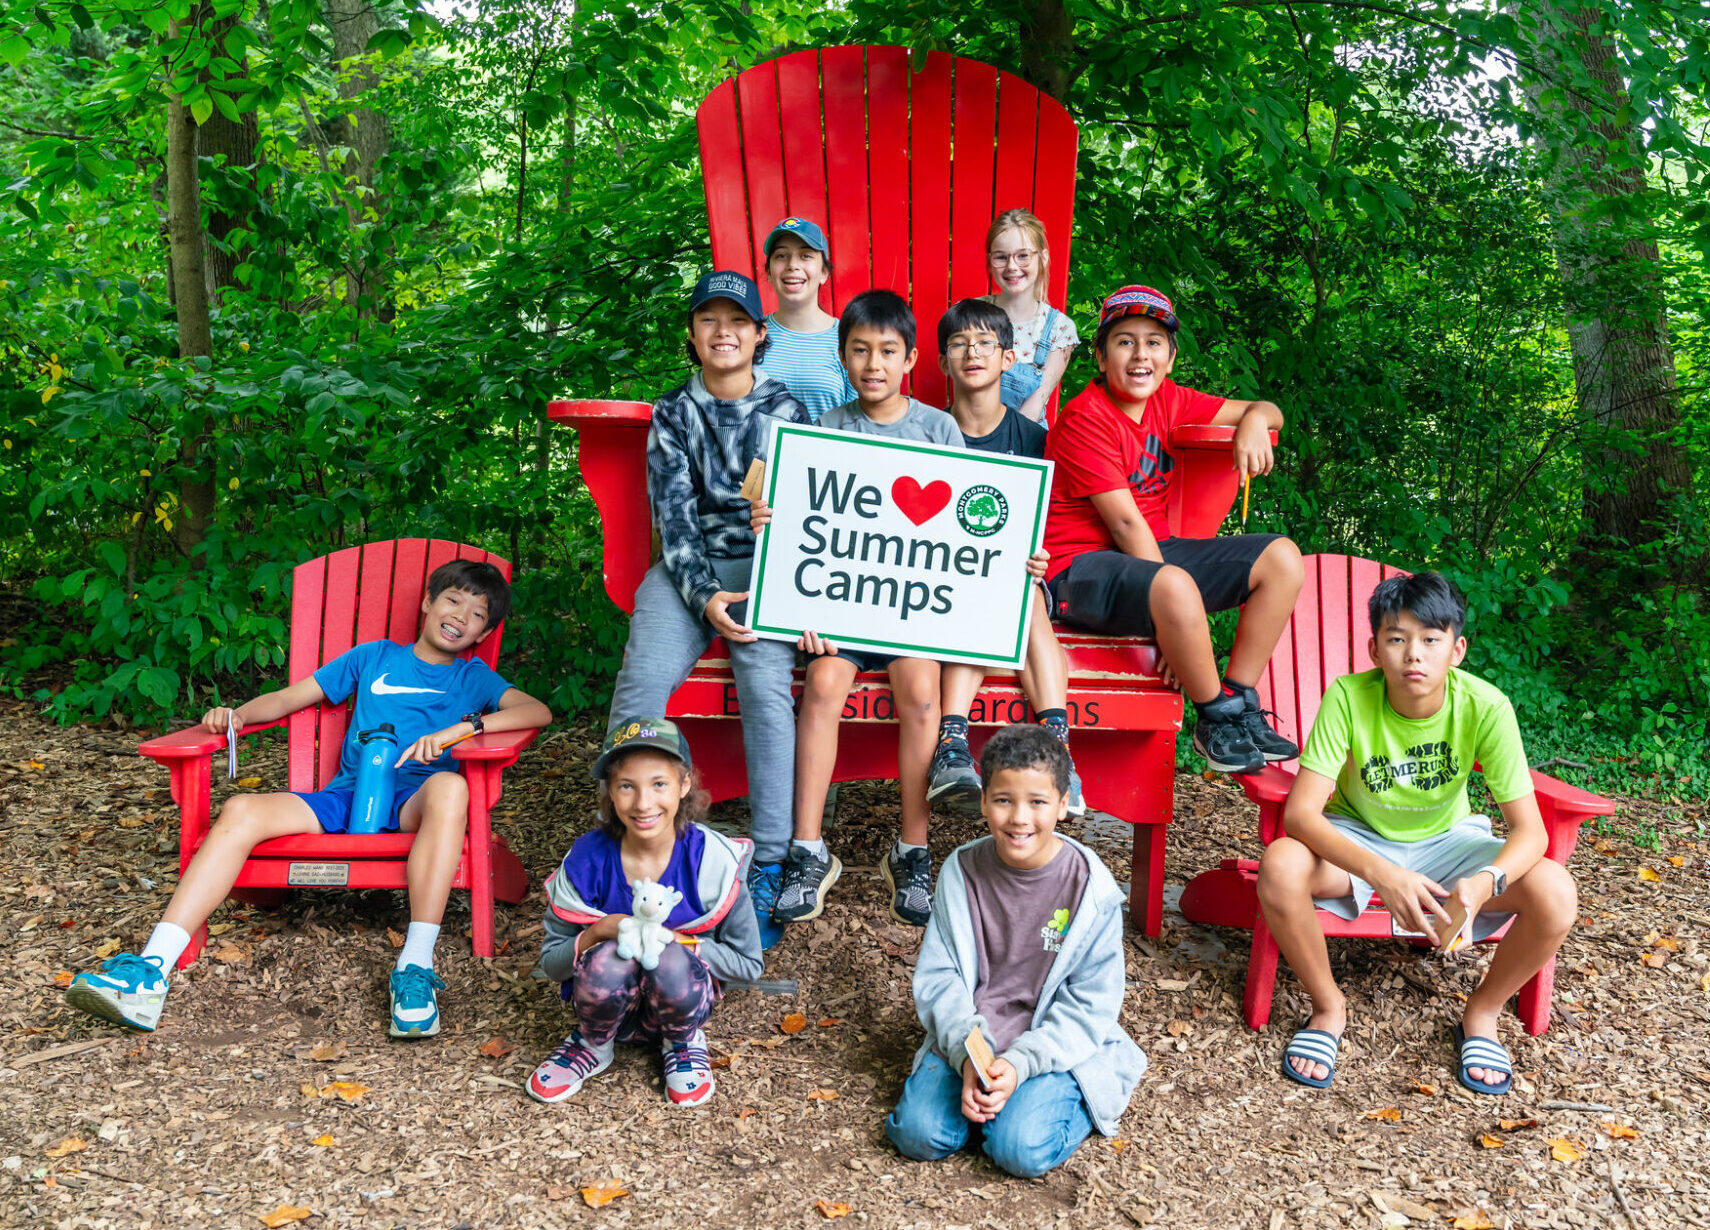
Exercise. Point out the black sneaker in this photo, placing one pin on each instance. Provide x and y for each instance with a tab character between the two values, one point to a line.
1221	736
806	877
952	779
1271	745
910	881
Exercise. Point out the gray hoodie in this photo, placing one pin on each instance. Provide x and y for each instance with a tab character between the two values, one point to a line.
1076	1024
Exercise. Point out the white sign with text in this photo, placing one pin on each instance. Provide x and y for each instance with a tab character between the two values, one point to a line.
914	550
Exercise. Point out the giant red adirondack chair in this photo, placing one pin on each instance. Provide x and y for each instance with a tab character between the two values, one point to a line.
337	601
905	163
1326	638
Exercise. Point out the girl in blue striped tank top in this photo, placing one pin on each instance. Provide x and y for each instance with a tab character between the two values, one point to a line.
802	353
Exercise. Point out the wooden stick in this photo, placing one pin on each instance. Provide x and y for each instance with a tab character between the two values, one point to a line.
1246	490
1621	1196
1590	1106
55	1052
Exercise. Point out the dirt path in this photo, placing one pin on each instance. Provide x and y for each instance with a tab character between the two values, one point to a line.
224	1115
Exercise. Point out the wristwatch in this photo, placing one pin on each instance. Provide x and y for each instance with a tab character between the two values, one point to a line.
1496	874
474	719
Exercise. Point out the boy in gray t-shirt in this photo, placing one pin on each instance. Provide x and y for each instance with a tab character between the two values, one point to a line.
1025	945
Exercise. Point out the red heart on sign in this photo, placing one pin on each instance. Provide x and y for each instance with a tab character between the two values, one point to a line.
920	504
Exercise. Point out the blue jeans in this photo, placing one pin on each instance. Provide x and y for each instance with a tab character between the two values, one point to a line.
1038	1129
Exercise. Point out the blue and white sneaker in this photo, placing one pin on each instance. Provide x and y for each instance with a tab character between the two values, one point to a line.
128	991
415	1008
764	881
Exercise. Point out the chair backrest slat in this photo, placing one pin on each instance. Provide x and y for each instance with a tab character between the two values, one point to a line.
352	596
904	169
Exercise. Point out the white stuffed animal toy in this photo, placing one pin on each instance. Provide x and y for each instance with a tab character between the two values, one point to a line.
643	935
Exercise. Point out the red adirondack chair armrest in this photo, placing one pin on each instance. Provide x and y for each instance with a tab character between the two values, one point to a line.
1206	484
498	749
1565	808
1269	785
612	455
192	742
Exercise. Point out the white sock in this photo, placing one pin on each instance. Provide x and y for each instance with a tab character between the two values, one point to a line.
816	848
418	945
168	942
904	849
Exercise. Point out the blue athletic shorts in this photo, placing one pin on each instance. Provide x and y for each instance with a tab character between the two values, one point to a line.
332	807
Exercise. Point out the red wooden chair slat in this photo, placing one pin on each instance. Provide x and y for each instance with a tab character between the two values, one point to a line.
1330	616
727	195
971	210
929	212
887	166
850	236
350	596
1054	193
763	164
1017	130
799	104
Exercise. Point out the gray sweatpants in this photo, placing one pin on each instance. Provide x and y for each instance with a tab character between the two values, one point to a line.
665	639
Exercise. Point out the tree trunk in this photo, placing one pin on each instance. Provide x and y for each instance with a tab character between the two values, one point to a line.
1623	363
236	143
1048	47
195	333
369	136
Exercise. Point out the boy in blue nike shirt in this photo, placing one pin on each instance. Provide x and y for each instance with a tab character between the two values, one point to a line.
432	697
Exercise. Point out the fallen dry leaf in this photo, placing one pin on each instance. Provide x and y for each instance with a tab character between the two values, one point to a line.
823	1095
350	1091
603	1193
1491	1142
556	1192
1178	1027
107	947
1565	1150
1649	876
325	1052
745	1112
495	1048
1388	1114
230	954
1429	1091
394	937
324	1140
250	783
1668	942
720	1061
71	1144
1675	860
826	1022
1656	960
829	1210
62	978
1472	1221
793	1024
1704	983
1117	1144
37	765
1619	1131
284	1215
220	928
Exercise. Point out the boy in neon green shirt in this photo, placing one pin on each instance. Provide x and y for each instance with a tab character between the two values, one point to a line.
1380	808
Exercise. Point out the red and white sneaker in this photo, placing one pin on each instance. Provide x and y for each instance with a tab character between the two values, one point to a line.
562	1073
688	1071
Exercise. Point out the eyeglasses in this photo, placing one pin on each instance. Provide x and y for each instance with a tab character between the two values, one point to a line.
977	349
1022	259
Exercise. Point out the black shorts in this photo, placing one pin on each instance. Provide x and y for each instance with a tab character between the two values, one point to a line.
1106	591
864	659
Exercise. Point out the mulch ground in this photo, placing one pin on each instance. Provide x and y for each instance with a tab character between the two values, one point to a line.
233	1108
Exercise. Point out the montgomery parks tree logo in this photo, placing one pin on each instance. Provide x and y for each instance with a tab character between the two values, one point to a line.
982	510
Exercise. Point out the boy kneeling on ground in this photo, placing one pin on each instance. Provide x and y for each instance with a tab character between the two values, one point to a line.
1025	944
433	698
1380	808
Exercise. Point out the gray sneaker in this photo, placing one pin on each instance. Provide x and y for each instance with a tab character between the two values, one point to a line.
1077	800
806	878
1221	736
910	882
952	779
1272	746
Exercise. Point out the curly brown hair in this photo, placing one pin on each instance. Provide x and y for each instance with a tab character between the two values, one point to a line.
692	810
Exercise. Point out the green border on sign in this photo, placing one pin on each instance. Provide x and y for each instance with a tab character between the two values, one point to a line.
781	431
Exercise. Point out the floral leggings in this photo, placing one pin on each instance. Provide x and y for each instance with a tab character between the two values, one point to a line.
617	1000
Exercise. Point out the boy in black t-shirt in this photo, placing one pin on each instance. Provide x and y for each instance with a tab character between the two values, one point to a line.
976	346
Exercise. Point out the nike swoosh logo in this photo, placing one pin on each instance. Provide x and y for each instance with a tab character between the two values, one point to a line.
381	688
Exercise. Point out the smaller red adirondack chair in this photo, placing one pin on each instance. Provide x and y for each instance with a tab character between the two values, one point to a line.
337	601
1326	638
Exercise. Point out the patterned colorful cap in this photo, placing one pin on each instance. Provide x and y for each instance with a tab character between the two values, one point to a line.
803	230
728	284
1140	301
636	734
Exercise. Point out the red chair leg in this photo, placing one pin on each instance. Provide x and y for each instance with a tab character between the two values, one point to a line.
1534	999
479	852
1146	884
191	790
1261	976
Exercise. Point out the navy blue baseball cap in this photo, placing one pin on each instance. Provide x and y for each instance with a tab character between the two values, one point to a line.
803	230
728	284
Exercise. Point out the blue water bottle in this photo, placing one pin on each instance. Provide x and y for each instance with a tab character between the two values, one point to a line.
376	780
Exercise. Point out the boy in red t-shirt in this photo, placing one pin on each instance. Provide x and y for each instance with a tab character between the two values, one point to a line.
1114	567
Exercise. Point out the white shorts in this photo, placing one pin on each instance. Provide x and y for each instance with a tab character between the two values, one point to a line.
1450	855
